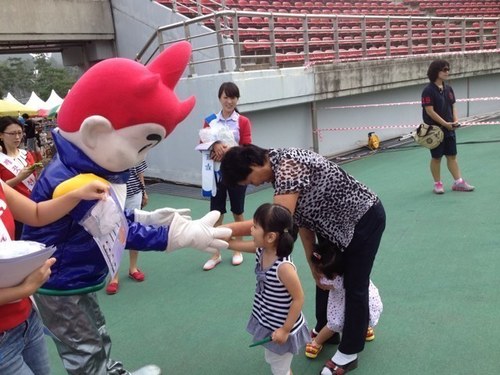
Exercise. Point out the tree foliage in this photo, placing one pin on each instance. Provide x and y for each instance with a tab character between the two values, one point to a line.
39	74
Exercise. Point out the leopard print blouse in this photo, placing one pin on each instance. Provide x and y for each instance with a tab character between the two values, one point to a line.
330	202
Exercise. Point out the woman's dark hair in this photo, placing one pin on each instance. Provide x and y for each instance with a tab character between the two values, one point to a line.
230	89
237	162
6	121
435	67
328	259
277	218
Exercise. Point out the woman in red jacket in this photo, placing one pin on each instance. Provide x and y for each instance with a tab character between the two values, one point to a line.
228	118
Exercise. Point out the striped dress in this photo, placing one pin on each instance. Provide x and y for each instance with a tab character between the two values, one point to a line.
134	183
270	309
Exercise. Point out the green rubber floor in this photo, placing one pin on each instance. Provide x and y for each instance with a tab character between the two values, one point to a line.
437	272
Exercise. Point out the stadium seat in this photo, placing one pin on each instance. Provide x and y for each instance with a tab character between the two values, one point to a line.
288	32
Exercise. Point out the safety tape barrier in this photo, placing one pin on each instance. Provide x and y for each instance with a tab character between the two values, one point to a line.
407	103
408	126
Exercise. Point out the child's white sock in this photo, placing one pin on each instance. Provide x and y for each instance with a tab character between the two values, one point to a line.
460	180
343	359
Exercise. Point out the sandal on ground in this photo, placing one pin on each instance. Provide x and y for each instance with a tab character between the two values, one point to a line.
112	288
313	350
331	368
137	275
370	334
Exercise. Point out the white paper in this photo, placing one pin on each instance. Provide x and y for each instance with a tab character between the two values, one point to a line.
20	258
107	223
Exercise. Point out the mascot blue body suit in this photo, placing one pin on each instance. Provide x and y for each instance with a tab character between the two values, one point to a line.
76	246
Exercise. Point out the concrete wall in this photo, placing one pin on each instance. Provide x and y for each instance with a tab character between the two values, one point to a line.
137	20
272	100
279	104
55	19
84	27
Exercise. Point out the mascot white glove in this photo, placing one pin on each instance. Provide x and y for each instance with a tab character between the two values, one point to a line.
198	234
161	216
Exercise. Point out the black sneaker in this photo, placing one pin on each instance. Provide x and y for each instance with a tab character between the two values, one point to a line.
334	340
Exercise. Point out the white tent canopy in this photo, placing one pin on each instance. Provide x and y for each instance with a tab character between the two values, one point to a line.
37	103
53	100
10	98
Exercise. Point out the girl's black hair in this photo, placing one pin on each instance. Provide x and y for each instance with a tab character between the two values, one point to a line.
277	218
231	90
435	67
328	259
6	121
237	162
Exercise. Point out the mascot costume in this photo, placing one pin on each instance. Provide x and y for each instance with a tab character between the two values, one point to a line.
114	114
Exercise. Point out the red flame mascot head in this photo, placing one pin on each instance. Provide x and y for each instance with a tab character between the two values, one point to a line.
119	109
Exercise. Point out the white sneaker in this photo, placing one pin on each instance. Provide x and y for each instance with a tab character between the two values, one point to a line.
211	263
237	259
147	370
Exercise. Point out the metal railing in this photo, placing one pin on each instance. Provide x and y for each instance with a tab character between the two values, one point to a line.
232	40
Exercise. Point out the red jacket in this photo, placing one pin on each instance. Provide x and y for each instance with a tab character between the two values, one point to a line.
11	314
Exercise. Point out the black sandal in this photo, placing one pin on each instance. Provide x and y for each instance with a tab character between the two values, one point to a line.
339	370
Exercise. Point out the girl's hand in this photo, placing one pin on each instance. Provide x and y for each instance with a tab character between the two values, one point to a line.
39	276
26	172
218	151
246	246
280	336
92	191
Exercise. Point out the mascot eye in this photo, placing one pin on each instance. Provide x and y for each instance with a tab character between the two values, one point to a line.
154	137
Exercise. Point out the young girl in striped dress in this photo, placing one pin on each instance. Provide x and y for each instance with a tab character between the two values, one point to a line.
277	307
